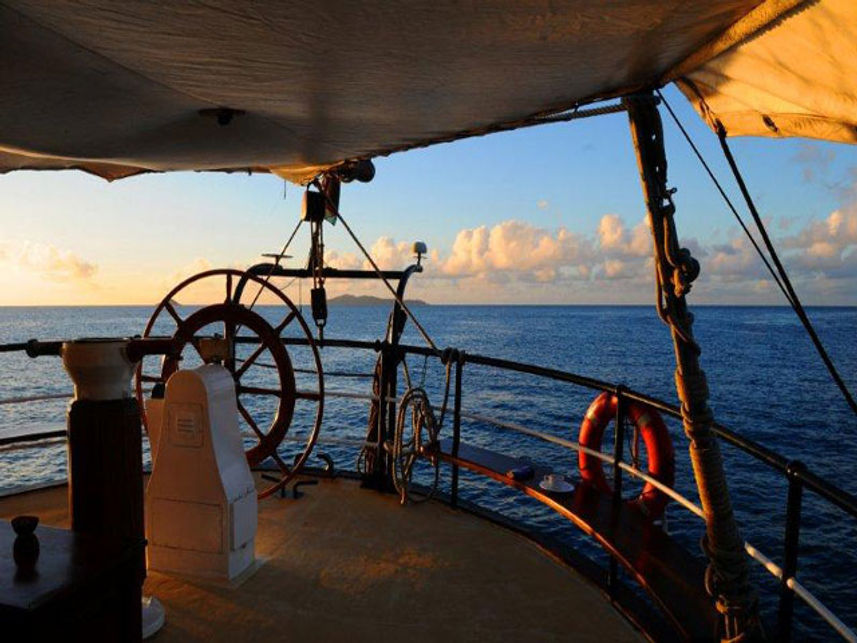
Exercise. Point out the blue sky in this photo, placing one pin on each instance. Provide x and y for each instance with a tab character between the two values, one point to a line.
551	214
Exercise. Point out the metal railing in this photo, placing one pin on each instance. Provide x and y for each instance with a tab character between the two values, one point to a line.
799	478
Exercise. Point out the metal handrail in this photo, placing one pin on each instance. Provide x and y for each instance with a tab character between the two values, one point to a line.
815	483
798	475
775	570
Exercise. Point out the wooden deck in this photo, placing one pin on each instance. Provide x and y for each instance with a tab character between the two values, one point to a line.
347	564
671	575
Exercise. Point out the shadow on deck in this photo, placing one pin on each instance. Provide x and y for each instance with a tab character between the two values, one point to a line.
346	564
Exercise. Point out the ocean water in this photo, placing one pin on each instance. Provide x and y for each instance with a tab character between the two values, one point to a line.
765	379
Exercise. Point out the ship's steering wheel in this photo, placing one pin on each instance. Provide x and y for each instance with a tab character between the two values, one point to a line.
250	337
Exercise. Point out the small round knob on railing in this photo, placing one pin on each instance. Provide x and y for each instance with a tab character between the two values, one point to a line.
795	468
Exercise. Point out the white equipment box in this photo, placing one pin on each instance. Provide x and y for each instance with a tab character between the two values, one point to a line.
201	507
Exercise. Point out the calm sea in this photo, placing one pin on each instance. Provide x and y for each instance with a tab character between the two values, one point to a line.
766	382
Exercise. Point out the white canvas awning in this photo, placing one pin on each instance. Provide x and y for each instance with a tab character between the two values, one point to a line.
118	88
793	75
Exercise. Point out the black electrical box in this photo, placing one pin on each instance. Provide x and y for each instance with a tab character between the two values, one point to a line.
313	206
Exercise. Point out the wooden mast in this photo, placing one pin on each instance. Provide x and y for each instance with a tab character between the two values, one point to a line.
727	575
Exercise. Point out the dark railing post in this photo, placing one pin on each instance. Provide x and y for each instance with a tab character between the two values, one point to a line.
379	474
618	455
618	444
456	428
790	549
391	365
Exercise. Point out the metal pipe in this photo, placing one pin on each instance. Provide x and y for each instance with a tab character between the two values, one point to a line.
843	630
790	551
812	482
456	427
618	444
618	456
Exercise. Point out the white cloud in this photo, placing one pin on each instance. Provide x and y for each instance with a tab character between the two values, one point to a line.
516	261
342	260
616	239
514	246
46	260
390	255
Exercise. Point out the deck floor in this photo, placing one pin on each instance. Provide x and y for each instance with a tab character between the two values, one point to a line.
346	564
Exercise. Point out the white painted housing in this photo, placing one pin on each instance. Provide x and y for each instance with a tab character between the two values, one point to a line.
201	509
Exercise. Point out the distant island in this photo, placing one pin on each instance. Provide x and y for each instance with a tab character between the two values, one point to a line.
369	300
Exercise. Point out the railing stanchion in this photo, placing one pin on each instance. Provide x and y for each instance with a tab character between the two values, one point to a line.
618	444
790	549
383	462
456	428
618	456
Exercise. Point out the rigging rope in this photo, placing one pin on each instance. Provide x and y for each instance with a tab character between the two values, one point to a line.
782	280
422	416
724	195
793	300
271	272
331	206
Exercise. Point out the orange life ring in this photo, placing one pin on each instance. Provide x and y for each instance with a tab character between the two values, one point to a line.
659	449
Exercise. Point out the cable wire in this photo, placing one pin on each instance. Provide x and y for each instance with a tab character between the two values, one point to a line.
331	206
725	196
794	300
271	272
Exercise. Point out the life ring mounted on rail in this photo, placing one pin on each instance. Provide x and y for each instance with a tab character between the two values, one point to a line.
659	449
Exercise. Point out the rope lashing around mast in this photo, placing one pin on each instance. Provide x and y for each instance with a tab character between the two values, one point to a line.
794	300
675	271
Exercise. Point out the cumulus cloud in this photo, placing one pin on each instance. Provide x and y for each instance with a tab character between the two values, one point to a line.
390	255
520	262
514	260
342	260
827	248
615	239
46	260
514	246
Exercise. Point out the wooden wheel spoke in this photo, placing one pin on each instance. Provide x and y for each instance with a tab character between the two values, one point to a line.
229	332
286	321
262	439
256	390
249	420
249	361
173	313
